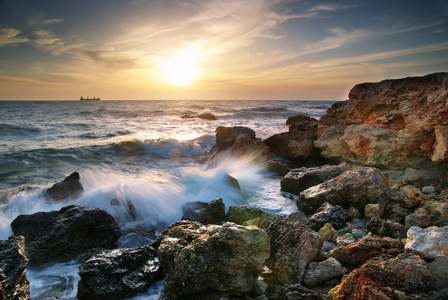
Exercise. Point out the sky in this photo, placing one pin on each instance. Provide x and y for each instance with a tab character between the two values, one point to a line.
214	49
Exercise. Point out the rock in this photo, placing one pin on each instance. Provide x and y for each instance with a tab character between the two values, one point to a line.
205	212
345	239
298	142
373	211
429	243
387	228
243	213
431	189
369	248
225	136
327	213
328	233
13	282
355	188
411	197
317	273
70	187
404	277
207	116
118	274
296	292
395	124
293	246
301	179
432	213
353	213
59	236
209	261
297	216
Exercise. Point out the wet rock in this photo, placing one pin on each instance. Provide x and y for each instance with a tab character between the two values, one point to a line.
62	235
317	273
404	277
207	116
205	212
225	136
209	261
70	187
243	213
118	274
411	197
327	213
13	282
293	247
301	179
387	228
355	188
369	248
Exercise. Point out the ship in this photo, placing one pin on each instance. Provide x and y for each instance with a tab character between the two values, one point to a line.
89	99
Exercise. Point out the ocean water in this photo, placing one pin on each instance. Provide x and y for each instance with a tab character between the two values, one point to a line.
137	151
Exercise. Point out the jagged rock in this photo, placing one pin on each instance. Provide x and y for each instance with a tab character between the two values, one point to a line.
432	213
298	180
243	213
355	188
205	212
328	233
404	277
118	274
369	248
209	261
373	211
411	197
225	136
293	246
13	282
327	213
296	292
387	228
429	243
62	235
395	124
70	187
320	272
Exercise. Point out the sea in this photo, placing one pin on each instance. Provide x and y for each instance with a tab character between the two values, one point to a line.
141	152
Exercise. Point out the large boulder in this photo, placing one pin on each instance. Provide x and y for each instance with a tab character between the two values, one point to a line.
367	249
243	213
293	247
404	277
70	187
118	273
13	282
204	212
395	124
211	261
354	188
63	235
298	180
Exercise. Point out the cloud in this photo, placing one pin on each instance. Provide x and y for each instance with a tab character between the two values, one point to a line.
330	7
9	36
46	41
111	58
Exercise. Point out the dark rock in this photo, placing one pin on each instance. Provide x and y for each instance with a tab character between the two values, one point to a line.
302	123
242	213
355	188
70	187
292	145
293	246
206	262
404	277
225	136
207	116
320	272
205	212
327	213
13	282
386	228
118	274
369	248
295	292
62	235
301	179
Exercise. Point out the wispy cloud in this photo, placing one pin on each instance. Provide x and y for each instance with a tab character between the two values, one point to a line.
10	36
46	41
330	7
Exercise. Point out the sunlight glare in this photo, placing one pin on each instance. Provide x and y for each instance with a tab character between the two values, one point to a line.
181	69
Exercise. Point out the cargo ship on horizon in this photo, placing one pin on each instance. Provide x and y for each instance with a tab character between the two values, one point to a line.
89	99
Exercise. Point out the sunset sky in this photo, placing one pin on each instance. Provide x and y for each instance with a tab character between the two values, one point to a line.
214	49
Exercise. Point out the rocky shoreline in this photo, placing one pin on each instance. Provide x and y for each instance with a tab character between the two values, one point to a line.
368	179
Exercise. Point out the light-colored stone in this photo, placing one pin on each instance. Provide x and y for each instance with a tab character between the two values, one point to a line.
441	146
317	273
328	233
429	243
373	211
411	197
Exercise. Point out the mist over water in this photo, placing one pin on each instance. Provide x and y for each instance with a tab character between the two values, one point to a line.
136	160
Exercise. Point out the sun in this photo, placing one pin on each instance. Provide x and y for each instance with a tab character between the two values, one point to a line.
182	68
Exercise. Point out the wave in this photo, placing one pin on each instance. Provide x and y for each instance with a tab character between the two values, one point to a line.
17	130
